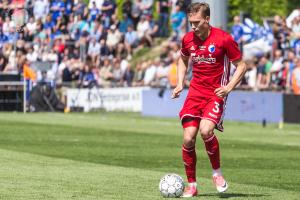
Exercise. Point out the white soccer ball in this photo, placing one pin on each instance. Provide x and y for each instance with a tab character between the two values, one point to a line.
171	186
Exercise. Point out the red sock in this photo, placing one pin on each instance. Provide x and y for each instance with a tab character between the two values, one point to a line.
213	152
189	159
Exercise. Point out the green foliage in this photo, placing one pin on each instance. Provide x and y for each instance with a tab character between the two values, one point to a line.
293	4
257	9
120	14
119	8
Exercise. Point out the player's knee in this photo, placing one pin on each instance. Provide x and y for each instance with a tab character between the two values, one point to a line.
189	138
189	141
206	132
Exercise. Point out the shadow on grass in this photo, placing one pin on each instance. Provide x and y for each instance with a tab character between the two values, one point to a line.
232	195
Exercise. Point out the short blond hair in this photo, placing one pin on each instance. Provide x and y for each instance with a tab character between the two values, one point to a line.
199	6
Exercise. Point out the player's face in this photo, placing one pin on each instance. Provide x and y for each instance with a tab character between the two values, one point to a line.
199	24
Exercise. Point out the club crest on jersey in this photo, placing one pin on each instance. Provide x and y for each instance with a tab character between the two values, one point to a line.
211	48
192	48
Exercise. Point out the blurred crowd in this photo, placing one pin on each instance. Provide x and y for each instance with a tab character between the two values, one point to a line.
92	44
278	69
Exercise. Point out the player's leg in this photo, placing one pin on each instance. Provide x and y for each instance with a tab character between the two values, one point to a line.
213	152
189	157
211	142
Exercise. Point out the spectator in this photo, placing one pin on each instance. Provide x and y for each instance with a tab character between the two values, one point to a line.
146	7
237	31
125	23
127	8
296	78
32	55
108	9
172	73
40	9
94	49
7	26
161	76
86	77
139	74
80	9
131	39
143	28
178	19
136	12
150	72
94	12
98	3
117	75
57	8
113	39
3	62
104	50
163	13
128	76
105	74
277	66
3	38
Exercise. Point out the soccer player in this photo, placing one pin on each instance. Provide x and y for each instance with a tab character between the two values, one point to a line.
211	50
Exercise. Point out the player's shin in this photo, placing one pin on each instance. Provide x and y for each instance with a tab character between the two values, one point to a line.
213	152
189	159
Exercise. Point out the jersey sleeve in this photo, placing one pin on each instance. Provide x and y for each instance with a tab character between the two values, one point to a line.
184	47
232	49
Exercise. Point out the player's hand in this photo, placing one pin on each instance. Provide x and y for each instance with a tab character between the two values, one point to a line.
176	91
222	91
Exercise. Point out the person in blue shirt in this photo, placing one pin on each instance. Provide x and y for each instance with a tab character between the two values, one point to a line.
86	77
237	31
49	23
69	7
131	39
79	8
94	12
3	38
57	8
178	22
108	9
125	23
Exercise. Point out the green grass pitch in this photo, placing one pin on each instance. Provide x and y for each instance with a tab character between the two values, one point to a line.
122	156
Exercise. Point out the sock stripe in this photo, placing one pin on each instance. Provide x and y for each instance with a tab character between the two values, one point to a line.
209	139
188	149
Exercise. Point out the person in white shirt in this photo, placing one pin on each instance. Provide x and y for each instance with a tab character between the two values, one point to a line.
150	73
143	30
98	4
94	49
40	9
113	38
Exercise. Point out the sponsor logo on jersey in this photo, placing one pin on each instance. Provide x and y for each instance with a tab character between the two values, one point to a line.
202	48
211	48
201	59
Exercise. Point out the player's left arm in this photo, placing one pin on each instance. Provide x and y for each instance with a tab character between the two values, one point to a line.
241	69
234	54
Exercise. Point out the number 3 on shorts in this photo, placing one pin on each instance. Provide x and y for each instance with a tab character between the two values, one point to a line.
216	109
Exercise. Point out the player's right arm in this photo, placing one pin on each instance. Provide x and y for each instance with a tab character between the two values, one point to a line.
182	67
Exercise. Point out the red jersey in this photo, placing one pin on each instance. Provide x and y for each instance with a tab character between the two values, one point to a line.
211	60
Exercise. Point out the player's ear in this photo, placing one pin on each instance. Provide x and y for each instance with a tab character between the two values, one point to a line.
207	18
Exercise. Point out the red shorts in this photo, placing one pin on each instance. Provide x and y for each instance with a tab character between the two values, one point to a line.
197	108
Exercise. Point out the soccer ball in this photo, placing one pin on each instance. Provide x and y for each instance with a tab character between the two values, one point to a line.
171	186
